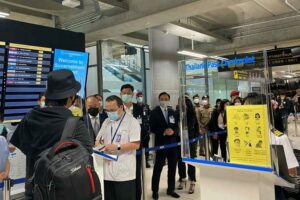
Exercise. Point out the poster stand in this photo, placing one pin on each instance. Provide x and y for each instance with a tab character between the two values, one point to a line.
228	181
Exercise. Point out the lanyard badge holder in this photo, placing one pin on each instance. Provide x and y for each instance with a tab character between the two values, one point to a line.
112	156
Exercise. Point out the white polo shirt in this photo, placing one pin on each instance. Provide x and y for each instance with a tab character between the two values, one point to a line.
129	131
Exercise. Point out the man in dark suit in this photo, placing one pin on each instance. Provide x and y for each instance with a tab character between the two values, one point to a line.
165	128
137	112
146	126
95	116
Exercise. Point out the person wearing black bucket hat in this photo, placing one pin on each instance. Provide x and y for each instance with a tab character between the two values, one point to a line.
41	128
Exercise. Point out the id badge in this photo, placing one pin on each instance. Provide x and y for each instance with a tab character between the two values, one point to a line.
118	138
172	120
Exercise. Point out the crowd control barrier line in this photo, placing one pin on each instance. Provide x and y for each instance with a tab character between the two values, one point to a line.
15	182
168	146
156	148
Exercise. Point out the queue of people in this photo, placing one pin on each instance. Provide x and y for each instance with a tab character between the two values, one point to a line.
122	129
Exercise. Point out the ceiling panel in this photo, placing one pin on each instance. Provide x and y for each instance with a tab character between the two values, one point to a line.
238	14
277	7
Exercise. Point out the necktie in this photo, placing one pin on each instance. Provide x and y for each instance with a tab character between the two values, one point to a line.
166	115
96	126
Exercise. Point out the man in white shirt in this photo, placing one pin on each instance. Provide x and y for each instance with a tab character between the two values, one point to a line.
120	134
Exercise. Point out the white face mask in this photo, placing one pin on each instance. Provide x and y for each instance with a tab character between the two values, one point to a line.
164	104
140	99
197	100
204	102
43	104
237	104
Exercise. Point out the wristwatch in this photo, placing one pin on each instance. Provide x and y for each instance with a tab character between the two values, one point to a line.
119	147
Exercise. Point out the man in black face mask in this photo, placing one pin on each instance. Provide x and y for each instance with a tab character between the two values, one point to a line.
95	116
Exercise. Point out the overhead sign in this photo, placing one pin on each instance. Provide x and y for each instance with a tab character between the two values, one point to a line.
248	135
228	63
75	61
240	75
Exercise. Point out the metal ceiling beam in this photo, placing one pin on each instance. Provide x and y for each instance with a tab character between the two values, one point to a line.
145	14
121	4
261	40
202	31
26	11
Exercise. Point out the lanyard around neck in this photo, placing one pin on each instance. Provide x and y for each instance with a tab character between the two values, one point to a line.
116	129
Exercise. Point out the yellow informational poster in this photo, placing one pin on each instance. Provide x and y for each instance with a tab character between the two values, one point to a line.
248	135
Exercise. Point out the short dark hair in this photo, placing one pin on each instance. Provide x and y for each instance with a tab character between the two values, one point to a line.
205	96
127	86
164	93
196	96
42	94
91	96
115	98
95	95
254	98
56	102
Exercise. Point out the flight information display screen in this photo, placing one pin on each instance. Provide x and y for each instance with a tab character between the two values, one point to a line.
2	62
26	77
75	61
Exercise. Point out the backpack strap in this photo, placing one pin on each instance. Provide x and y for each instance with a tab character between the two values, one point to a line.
69	128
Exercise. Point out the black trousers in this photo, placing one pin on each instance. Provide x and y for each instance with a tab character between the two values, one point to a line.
182	165
119	190
146	145
161	155
138	182
28	184
215	146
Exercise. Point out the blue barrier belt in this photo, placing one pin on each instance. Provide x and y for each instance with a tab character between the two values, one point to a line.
139	152
15	182
168	146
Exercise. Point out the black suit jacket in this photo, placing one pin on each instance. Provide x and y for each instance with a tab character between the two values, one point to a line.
88	122
158	125
138	113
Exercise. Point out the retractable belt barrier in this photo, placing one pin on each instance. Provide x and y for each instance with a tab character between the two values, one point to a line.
139	152
168	146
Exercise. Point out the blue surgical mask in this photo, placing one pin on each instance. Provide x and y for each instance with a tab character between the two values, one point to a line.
113	116
126	98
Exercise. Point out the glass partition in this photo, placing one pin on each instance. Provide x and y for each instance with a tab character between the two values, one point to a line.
121	64
253	138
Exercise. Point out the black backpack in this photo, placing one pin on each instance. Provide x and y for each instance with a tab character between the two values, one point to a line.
66	171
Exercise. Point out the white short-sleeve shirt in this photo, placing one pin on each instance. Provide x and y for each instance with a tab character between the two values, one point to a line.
3	153
124	169
283	140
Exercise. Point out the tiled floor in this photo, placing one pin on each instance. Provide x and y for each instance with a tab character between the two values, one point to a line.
163	187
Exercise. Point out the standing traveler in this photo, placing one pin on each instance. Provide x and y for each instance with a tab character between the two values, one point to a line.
95	116
145	124
296	101
163	124
203	115
4	163
42	128
120	133
193	131
234	94
41	100
136	111
219	124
